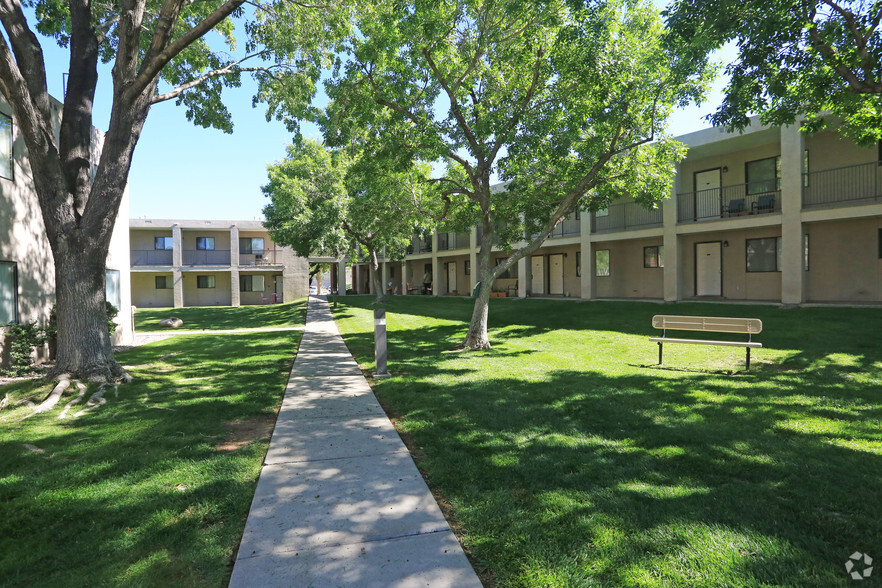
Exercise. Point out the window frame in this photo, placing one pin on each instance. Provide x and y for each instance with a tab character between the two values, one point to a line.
209	279
597	273
107	273
747	182
251	250
166	284
246	282
15	298
204	241
578	264
11	176
777	256
164	242
467	267
659	257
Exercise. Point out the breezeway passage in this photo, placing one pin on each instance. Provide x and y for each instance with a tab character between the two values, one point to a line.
339	501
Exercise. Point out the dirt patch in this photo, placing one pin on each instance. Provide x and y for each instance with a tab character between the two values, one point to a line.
243	432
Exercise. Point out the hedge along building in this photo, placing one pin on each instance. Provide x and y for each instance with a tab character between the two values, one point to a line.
767	215
177	263
27	269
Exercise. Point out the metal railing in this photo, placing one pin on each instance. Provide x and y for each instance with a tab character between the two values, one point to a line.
568	227
418	245
450	241
152	257
729	201
843	185
265	257
626	216
205	257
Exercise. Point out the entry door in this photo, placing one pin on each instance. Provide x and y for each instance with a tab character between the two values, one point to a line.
555	274
708	269
451	277
707	193
538	283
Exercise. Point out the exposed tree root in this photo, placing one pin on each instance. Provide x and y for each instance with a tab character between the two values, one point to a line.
82	388
95	401
34	448
52	399
4	402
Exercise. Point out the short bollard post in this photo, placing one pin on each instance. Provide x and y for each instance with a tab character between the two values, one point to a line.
380	342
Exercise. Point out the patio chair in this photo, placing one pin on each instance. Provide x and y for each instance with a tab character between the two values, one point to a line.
735	207
765	203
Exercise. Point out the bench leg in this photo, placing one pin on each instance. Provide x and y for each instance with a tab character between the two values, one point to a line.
659	353
748	357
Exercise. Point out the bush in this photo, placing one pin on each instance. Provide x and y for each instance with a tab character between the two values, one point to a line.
22	339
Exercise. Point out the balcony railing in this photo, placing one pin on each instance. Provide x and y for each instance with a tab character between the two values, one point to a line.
853	184
265	257
418	245
568	227
450	241
729	201
206	257
626	216
151	257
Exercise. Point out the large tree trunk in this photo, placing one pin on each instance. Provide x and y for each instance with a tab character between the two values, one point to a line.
477	338
84	344
379	286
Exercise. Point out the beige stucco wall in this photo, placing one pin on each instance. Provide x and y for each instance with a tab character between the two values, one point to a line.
627	276
145	294
734	160
273	282
143	240
462	280
221	238
220	295
844	264
828	151
738	283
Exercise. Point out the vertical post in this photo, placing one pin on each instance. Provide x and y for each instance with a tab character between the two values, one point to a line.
659	353
671	288
748	357
380	342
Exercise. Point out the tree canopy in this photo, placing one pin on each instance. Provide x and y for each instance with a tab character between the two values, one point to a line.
797	60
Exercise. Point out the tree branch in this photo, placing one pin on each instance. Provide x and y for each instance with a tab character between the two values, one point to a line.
227	69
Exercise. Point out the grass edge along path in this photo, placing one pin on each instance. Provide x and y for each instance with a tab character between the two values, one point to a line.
154	486
196	318
569	458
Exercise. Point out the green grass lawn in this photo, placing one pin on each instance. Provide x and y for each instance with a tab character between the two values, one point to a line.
290	314
150	488
569	458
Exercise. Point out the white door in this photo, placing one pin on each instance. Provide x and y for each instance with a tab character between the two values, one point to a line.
555	274
708	269
451	277
707	193
537	285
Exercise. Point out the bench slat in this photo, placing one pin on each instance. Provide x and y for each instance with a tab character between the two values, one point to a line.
706	342
715	324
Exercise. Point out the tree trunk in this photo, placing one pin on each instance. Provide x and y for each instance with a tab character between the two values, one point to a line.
84	344
477	338
379	286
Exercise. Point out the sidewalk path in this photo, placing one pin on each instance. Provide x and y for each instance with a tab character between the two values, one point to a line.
339	501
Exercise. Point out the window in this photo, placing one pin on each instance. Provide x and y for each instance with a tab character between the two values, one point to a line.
164	243
805	250
763	175
601	263
578	264
654	256
805	167
251	283
764	255
205	281
468	267
205	243
6	159
251	245
111	288
163	282
510	273
8	292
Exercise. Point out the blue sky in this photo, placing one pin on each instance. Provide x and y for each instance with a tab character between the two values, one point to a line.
183	171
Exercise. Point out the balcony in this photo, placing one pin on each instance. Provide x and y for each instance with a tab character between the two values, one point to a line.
729	201
206	257
451	241
626	216
418	245
854	184
568	227
265	257
151	257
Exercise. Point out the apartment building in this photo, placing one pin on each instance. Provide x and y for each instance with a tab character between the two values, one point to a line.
767	215
177	263
27	269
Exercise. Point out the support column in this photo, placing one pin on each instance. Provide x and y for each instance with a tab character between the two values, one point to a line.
177	261
586	254
671	243
235	296
385	272
403	278
525	276
473	259
341	277
792	272
436	271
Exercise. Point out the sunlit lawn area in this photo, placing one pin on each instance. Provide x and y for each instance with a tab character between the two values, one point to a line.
152	488
290	314
570	458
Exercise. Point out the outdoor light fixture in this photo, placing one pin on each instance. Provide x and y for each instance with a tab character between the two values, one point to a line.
725	169
725	243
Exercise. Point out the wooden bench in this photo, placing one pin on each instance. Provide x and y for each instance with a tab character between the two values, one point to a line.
707	324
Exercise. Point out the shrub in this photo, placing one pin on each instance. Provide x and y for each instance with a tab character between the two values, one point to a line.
22	339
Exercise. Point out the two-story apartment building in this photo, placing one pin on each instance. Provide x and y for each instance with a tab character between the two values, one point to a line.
767	215
178	263
27	269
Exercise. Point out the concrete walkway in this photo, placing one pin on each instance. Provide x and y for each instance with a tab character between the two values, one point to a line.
340	501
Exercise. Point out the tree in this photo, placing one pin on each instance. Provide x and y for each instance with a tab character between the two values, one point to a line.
565	100
327	201
151	44
796	59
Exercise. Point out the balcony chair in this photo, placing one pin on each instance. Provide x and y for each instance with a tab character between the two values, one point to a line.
765	203
734	208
